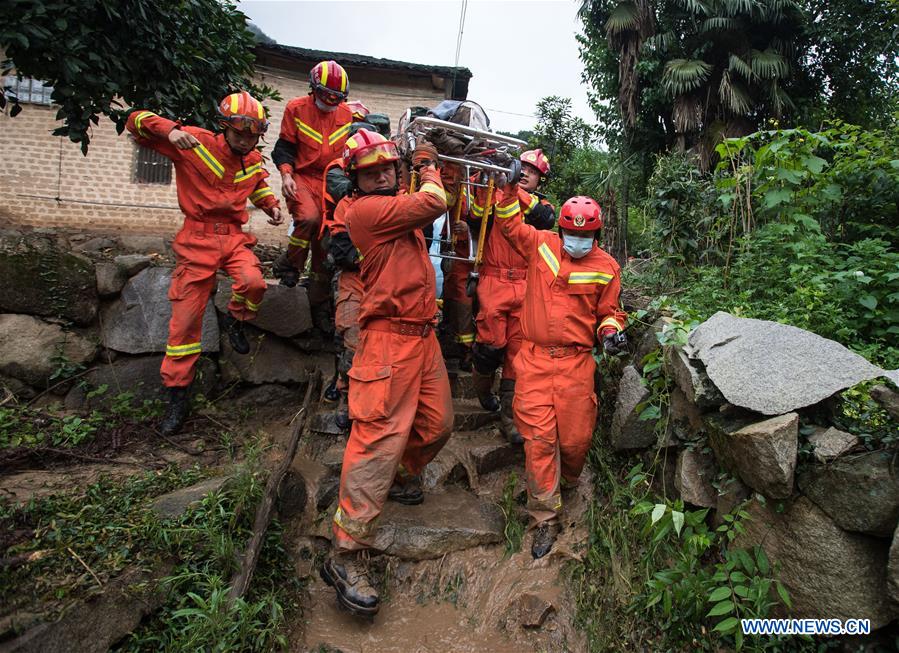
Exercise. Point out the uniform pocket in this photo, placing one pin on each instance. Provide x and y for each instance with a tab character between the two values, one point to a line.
369	391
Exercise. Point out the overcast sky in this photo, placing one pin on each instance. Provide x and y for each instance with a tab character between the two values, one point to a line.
519	51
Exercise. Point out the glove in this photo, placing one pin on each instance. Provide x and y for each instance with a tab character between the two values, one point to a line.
342	251
425	154
614	343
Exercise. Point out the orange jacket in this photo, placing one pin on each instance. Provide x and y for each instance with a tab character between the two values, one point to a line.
498	253
213	183
568	301
318	136
396	271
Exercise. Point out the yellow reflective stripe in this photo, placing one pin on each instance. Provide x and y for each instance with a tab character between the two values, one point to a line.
465	338
324	81
306	129
611	321
211	162
252	306
237	298
234	101
298	242
547	254
183	350
504	212
589	277
476	210
530	207
254	169
337	134
258	194
433	189
260	109
139	121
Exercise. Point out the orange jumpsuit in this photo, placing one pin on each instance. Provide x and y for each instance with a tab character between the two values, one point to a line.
567	302
501	287
399	396
347	302
458	328
213	187
319	138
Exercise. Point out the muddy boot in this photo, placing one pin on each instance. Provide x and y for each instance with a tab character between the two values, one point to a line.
506	423
342	414
544	537
407	491
175	412
283	269
347	573
483	386
331	393
236	335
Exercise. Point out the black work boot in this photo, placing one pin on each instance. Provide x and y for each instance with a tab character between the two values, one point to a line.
348	574
506	423
407	491
342	418
332	394
483	387
175	412
236	335
544	537
284	270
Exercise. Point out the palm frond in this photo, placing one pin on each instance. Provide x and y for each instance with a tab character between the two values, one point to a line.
720	24
687	114
659	42
733	95
780	99
684	75
737	65
624	17
738	7
695	7
769	64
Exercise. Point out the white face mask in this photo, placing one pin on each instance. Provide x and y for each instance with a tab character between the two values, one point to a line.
577	246
327	108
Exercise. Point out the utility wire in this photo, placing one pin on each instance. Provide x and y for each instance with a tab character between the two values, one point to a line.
459	43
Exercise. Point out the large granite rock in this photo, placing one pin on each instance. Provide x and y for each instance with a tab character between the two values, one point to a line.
628	431
888	398
32	350
763	454
110	279
447	522
271	360
830	443
773	368
138	322
692	379
40	277
284	311
696	469
829	573
860	492
131	264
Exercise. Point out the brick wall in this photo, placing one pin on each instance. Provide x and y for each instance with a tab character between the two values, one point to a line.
97	192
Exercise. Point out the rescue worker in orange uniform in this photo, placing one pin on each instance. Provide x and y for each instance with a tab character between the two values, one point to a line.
314	129
399	393
571	301
216	175
500	291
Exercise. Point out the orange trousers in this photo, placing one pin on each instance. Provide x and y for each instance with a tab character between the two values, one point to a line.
402	415
456	302
555	411
500	295
200	253
307	218
346	321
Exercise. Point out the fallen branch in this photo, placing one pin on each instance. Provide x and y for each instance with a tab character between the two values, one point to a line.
241	581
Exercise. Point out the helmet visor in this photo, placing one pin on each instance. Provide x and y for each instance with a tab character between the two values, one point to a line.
247	124
376	154
330	97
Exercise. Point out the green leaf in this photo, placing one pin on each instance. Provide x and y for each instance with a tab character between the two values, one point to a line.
658	512
727	625
762	560
814	163
719	594
783	594
745	560
678	518
725	607
868	301
776	197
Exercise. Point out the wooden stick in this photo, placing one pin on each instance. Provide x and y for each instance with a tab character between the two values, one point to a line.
241	581
84	564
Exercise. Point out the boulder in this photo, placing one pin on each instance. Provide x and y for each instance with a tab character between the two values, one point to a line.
893	569
308	487
693	477
628	431
138	375
763	454
32	350
324	422
41	278
533	610
138	322
174	504
94	245
774	368
860	492
447	522
284	311
691	379
110	279
829	573
888	398
831	443
131	264
469	416
684	417
143	244
271	360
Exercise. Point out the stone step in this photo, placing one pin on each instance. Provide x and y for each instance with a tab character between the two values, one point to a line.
468	456
462	386
469	416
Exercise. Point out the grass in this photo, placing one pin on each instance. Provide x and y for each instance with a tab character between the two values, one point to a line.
515	526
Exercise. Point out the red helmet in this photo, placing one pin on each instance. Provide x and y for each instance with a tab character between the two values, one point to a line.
360	111
580	213
243	112
537	159
329	80
365	149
